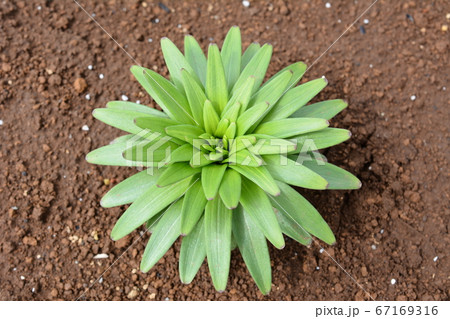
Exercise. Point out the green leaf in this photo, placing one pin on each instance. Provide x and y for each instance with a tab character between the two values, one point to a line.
211	179
147	206
231	131
286	170
185	132
242	96
169	98
321	139
195	57
232	113
216	83
154	124
210	117
272	145
131	188
260	176
324	110
166	232
296	207
218	220
181	154
231	56
257	205
193	207
110	155
242	142
290	127
256	67
250	117
249	53
244	158
230	189
195	95
148	151
200	159
176	172
192	253
253	247
295	98
290	228
337	177
151	224
297	69
222	127
134	107
175	62
123	138
160	89
123	120
272	92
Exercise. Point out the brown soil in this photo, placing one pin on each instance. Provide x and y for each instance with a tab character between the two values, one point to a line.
393	228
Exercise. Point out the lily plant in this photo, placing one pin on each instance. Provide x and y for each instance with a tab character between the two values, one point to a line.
220	162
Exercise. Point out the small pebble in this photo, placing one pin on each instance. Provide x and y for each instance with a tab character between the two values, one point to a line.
33	290
409	17
167	299
317	268
14	208
164	7
124	97
413	97
100	256
328	5
156	20
90	67
93	14
444	28
371	66
366	21
87	97
1	122
80	199
85	128
393	281
138	102
100	280
101	76
321	250
246	3
22	278
435	258
362	30
443	89
80	85
373	247
382	231
150	40
39	7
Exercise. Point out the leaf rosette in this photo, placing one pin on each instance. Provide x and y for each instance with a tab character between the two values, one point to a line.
221	160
